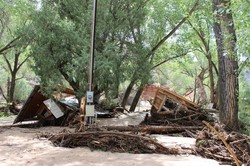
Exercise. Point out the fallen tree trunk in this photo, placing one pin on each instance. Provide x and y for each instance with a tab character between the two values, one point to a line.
152	129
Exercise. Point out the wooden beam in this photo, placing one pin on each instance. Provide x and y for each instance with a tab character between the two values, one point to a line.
163	94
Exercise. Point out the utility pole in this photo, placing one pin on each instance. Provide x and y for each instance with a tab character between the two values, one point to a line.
92	51
90	113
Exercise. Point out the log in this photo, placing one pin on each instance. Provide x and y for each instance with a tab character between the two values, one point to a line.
152	129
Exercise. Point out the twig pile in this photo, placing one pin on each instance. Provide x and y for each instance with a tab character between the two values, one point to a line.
209	145
110	141
182	117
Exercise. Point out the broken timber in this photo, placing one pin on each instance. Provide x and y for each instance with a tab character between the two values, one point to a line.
111	141
163	94
152	129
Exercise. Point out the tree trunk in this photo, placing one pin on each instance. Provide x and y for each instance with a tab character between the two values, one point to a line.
216	100
208	55
201	89
12	87
127	93
136	99
228	65
156	47
117	81
195	88
8	89
211	77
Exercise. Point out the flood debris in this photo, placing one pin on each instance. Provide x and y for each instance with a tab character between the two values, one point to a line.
228	147
44	111
169	108
170	113
152	129
60	110
110	141
176	112
163	94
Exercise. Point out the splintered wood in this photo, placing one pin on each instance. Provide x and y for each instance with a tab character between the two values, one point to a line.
169	108
110	141
163	94
229	147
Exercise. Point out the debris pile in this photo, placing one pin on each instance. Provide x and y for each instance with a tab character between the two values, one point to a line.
60	110
151	129
170	113
228	147
43	111
110	141
169	108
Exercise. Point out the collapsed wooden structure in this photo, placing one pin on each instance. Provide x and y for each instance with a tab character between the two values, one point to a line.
41	110
62	109
163	94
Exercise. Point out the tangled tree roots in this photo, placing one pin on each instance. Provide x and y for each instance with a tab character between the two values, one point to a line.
110	141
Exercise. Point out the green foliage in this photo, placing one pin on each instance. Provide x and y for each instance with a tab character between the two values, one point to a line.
60	50
172	75
57	48
241	16
14	16
4	114
23	89
244	101
59	44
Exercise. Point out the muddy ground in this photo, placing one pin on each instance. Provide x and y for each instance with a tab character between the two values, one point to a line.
22	146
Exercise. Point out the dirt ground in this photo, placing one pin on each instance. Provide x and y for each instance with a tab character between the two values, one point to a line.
22	146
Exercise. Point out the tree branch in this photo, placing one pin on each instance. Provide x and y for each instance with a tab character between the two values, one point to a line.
215	68
169	59
9	45
1	90
243	65
19	78
198	33
174	29
17	54
133	32
8	63
20	65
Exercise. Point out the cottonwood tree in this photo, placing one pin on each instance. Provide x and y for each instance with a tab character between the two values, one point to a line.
228	63
61	32
150	55
13	49
203	42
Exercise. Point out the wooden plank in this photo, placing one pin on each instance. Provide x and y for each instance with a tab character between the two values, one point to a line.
178	97
162	103
161	98
163	94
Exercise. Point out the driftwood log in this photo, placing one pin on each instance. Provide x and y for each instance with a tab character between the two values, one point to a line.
152	129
